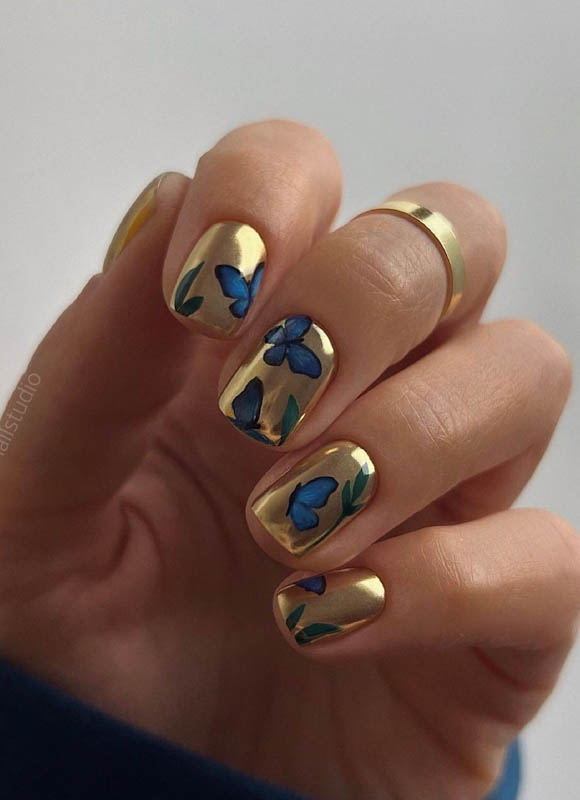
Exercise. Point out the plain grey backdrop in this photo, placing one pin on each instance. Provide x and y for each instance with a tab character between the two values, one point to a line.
98	97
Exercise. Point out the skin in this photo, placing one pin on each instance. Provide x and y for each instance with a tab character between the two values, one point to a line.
127	575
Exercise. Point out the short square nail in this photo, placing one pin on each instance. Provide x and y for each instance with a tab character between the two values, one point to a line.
221	277
280	381
133	220
330	605
317	497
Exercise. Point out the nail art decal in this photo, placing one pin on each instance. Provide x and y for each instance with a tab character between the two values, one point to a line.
133	220
247	407
235	285
280	381
305	498
226	264
317	497
287	342
330	605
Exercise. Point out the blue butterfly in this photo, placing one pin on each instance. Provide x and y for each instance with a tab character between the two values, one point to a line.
247	407
287	340
316	583
303	499
235	285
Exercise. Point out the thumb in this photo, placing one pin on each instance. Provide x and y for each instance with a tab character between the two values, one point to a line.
74	426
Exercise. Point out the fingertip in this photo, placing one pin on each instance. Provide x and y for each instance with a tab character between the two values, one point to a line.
330	615
259	199
158	201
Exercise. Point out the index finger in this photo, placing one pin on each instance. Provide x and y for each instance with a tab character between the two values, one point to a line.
258	201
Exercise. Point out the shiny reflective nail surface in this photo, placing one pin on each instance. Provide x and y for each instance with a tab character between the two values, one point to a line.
133	220
332	604
280	381
221	277
317	497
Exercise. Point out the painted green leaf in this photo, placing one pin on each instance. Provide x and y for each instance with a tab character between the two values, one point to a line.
190	306
360	482
315	631
290	418
354	508
346	499
184	287
294	616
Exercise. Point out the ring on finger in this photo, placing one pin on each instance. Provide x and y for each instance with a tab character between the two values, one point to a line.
443	235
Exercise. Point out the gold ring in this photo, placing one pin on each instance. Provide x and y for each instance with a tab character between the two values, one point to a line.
441	232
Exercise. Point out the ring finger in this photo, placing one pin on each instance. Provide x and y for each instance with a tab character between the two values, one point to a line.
477	402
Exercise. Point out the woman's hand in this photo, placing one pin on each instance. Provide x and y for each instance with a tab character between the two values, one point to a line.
127	575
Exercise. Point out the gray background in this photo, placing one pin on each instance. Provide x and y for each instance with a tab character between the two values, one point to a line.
98	97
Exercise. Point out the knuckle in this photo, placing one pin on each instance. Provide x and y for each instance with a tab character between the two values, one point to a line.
559	361
278	147
551	362
261	163
448	555
233	158
565	533
275	132
438	423
564	538
392	271
524	329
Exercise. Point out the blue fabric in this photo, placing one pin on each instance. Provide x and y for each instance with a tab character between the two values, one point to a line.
507	788
52	747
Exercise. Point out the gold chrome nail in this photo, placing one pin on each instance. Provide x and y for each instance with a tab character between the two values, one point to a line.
332	604
133	220
221	276
270	393
317	497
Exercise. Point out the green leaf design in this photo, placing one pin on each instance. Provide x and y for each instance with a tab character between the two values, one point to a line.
190	306
290	418
294	616
337	522
315	631
184	286
360	482
346	499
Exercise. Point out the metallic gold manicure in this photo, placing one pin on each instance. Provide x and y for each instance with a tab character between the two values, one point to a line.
133	220
221	276
270	393
317	497
333	604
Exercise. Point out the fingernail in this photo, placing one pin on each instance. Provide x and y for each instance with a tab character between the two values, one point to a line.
280	382
317	497
221	277
333	604
133	220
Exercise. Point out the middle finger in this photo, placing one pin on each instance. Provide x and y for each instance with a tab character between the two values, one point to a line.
362	298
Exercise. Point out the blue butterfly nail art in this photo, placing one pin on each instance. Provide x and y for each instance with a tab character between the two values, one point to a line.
287	341
316	584
235	285
247	407
304	498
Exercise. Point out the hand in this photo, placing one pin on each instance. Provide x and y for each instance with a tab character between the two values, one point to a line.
127	575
